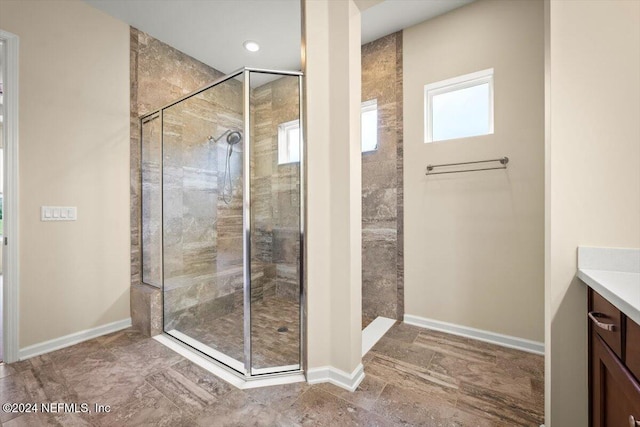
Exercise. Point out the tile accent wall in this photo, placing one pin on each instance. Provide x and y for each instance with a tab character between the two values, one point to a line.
159	75
382	229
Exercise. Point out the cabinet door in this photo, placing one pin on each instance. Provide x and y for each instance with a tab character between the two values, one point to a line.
615	394
632	357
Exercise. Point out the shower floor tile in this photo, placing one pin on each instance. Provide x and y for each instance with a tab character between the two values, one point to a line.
413	377
275	333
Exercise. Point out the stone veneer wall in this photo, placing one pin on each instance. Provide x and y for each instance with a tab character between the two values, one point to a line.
382	214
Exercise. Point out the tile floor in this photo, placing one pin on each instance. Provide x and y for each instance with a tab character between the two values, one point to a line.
413	377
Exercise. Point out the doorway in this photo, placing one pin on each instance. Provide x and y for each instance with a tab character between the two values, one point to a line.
2	61
8	197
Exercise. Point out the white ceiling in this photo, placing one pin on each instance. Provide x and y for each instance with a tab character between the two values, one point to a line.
213	31
390	16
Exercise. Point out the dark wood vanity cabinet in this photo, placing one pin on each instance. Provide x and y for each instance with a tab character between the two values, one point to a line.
615	394
614	357
633	348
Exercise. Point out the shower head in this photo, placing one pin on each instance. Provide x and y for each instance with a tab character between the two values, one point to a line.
233	137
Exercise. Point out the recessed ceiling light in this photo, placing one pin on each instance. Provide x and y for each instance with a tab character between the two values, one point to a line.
251	46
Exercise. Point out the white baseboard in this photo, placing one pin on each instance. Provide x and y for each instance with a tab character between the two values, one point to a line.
329	374
71	339
477	334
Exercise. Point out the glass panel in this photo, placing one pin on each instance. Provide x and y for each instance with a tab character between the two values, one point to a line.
461	113
151	154
202	227
275	228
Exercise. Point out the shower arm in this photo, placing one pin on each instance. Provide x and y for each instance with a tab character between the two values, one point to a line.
215	140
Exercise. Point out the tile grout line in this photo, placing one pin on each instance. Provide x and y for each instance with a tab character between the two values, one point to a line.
346	401
163	395
382	389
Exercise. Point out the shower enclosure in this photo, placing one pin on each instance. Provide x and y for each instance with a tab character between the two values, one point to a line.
222	219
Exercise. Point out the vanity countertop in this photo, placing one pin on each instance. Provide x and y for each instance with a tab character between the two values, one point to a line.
614	274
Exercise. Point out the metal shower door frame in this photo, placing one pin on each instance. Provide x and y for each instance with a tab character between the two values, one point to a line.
246	221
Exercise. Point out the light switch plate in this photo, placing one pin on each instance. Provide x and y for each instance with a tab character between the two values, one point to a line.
58	213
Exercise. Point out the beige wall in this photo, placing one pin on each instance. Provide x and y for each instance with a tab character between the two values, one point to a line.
74	151
332	105
474	246
593	164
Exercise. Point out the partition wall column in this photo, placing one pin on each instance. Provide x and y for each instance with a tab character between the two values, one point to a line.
331	39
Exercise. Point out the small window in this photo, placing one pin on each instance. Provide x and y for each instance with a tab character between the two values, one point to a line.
289	142
369	125
289	134
459	107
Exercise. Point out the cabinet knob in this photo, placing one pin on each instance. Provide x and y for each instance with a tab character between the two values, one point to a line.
606	326
633	422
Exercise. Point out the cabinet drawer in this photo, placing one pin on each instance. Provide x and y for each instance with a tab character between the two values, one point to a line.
632	354
606	320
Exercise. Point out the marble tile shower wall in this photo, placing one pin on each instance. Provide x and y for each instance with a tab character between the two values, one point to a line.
382	229
275	190
159	75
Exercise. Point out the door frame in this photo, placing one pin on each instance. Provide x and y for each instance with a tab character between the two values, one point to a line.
10	271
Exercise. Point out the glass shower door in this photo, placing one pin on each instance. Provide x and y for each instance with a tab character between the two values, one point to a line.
275	153
202	222
222	219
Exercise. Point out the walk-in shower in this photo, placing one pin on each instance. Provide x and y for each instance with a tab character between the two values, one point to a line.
222	220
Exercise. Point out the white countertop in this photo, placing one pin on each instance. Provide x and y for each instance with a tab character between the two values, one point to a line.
620	289
614	274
